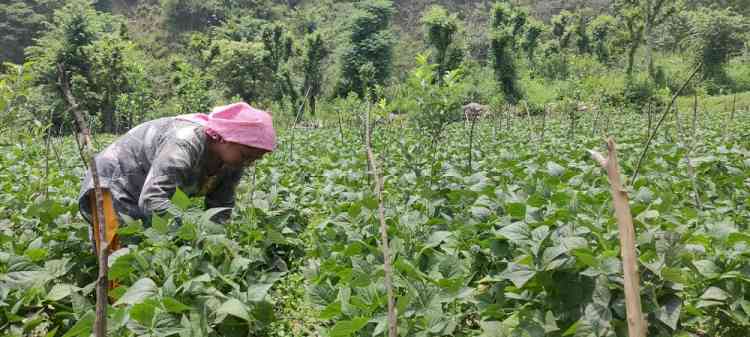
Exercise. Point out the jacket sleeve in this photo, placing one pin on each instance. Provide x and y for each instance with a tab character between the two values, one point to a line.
224	195
170	168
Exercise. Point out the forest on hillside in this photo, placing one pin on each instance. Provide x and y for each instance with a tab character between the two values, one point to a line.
137	60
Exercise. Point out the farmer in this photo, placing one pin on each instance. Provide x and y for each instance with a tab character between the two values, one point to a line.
203	155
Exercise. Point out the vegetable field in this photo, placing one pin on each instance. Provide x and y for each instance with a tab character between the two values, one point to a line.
511	235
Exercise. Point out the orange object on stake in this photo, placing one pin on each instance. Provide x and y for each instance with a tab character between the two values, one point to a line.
111	225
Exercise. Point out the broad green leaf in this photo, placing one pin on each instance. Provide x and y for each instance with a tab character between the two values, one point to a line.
707	268
159	224
348	328
715	294
554	169
437	238
516	210
518	274
174	306
572	329
235	308
669	312
332	310
515	232
36	254
257	292
144	312
180	199
25	279
734	238
83	326
550	322
672	275
263	312
138	292
60	291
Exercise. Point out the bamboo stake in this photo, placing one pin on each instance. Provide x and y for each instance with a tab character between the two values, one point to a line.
100	323
661	120
392	327
636	323
294	126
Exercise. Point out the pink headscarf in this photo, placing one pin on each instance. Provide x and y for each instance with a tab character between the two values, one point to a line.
238	123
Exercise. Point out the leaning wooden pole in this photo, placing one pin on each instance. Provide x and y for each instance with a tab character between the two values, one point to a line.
100	324
392	321
636	323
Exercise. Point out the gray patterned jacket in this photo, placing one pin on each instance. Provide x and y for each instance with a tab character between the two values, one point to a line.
143	168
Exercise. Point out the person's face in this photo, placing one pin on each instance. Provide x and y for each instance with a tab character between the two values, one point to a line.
237	155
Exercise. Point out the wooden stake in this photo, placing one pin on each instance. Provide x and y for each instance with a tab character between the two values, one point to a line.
100	324
636	323
392	322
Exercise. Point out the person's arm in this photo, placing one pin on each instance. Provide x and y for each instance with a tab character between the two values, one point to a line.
170	168
224	195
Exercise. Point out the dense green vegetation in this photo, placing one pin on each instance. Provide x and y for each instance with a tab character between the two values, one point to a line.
501	226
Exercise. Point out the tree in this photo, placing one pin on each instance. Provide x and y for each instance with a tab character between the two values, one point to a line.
518	23
199	15
600	29
20	23
531	40
280	47
440	28
503	60
716	35
96	56
244	68
583	42
370	45
641	18
315	53
192	87
561	24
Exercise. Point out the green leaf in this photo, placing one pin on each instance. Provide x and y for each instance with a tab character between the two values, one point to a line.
734	238
515	232
586	257
25	279
332	310
180	199
669	312
174	306
144	312
139	291
516	210
554	169
550	323
572	329
263	312
235	308
348	328
36	254
707	268
121	264
159	224
60	291
518	274
83	327
257	292
672	275
715	294
437	238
